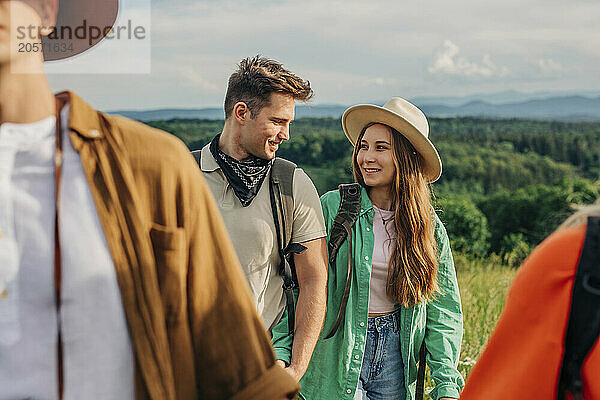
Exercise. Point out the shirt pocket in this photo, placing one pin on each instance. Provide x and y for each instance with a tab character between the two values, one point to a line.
168	245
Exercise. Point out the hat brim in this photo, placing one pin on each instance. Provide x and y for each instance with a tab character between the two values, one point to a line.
357	117
91	19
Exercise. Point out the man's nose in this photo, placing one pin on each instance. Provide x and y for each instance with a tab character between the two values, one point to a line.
284	132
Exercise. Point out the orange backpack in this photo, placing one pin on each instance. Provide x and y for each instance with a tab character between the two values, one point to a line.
542	348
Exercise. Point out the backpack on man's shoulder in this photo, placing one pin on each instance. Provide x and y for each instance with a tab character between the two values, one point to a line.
281	193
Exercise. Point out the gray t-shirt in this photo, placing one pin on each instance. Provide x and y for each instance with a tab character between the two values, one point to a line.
252	232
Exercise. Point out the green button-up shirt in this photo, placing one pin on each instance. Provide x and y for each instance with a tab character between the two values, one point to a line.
336	362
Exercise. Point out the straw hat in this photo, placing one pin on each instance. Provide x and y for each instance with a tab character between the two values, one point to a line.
404	117
92	18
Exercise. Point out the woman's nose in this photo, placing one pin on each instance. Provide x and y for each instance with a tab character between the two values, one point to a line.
369	156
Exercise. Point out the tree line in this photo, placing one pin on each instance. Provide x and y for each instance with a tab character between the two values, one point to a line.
506	184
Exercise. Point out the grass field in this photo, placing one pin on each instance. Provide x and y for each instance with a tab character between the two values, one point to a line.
483	287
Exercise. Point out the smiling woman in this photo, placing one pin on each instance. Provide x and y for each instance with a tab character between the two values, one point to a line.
375	158
403	284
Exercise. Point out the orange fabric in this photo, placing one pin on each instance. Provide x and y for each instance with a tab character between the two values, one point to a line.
523	357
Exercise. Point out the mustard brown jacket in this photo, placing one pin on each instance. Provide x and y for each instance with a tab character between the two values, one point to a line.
194	329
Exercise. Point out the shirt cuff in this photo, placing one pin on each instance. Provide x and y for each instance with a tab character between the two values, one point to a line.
307	237
283	354
275	383
447	390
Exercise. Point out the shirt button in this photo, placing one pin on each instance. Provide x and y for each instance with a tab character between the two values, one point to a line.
94	133
362	324
368	229
349	391
367	258
357	356
361	210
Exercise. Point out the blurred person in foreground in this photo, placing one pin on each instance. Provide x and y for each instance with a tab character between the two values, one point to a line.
117	278
523	358
393	284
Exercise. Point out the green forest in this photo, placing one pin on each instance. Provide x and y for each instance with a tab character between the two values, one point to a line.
506	184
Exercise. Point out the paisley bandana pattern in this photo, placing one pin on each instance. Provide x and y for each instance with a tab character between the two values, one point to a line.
246	176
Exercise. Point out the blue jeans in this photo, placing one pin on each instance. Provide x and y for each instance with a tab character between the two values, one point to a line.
382	371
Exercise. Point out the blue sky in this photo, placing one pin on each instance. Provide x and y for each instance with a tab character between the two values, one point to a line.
353	51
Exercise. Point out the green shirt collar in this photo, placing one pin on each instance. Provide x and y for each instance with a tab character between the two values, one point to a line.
365	202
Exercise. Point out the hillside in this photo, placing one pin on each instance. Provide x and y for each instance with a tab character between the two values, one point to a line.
506	184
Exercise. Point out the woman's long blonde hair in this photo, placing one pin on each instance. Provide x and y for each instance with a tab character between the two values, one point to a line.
412	272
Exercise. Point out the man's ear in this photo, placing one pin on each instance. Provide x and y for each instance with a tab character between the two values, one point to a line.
241	112
49	9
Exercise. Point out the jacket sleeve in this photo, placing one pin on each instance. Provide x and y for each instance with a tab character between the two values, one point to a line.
444	326
232	351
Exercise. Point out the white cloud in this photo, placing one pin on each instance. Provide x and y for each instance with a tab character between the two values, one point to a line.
379	81
195	79
549	66
352	50
449	62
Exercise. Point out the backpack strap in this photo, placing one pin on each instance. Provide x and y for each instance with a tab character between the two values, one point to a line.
583	327
282	176
281	186
340	230
421	373
346	217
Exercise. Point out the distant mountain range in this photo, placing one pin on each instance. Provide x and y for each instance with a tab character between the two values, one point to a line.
504	97
571	108
499	105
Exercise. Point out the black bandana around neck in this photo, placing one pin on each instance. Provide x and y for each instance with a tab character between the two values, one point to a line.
245	177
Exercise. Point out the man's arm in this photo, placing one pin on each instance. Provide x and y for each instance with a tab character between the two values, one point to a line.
311	269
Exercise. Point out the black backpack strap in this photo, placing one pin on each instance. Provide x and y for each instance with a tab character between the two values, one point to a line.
281	186
341	229
583	327
346	217
282	176
421	373
197	156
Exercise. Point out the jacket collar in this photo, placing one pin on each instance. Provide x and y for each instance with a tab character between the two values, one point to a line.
83	119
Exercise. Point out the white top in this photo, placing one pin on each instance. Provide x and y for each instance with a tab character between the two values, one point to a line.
98	356
385	233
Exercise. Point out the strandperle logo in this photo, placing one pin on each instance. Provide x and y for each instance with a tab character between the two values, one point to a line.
128	31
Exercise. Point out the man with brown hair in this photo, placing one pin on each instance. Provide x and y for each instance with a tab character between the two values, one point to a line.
117	278
237	165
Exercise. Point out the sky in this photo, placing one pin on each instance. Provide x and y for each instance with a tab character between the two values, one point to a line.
351	51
